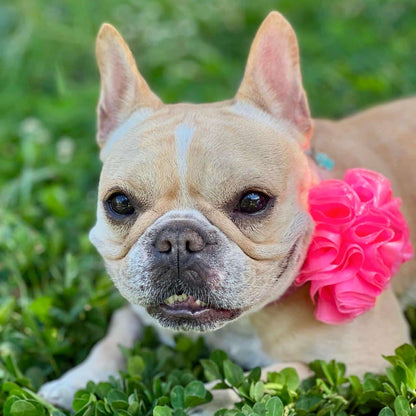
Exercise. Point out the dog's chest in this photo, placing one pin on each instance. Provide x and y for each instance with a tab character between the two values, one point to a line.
238	339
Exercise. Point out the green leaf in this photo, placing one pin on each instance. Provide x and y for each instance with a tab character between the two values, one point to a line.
401	406
122	413
407	353
103	389
134	407
274	407
40	307
259	409
254	375
233	373
9	386
211	370
247	410
81	399
184	343
177	397
386	411
162	411
6	309
157	387
220	386
291	378
117	399
162	400
195	394
135	366
244	390
257	391
396	376
219	356
24	408
179	412
309	403
356	385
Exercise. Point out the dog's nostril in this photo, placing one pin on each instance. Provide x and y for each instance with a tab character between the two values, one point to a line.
179	240
164	246
195	244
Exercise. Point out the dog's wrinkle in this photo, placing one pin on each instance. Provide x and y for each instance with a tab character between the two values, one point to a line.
287	260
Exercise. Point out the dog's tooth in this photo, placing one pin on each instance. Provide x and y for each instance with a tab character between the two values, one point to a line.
200	303
169	301
184	296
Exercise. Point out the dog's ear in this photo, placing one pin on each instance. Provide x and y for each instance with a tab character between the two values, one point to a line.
123	89
272	80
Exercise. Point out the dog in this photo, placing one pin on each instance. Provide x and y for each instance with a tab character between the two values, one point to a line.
203	219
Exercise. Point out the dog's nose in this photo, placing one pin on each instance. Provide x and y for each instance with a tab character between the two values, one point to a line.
179	239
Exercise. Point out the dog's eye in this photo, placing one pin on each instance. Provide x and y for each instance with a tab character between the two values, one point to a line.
120	204
252	202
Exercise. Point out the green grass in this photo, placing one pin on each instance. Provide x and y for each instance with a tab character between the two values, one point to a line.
55	297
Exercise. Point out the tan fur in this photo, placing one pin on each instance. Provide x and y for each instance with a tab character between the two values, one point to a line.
254	141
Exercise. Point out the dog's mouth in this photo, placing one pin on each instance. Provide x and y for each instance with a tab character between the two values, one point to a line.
184	312
183	302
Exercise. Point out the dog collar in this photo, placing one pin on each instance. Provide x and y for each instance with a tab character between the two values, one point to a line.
360	240
321	159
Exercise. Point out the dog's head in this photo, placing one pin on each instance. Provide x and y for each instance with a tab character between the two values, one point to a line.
202	208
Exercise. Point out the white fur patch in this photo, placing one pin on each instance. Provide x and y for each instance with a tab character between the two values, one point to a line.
133	121
183	137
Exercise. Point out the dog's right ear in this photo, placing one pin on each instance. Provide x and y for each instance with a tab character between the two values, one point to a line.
272	80
123	89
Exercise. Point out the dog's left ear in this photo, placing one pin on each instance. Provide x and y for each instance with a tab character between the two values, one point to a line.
272	80
123	89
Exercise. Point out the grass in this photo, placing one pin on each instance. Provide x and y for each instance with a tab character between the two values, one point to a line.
55	297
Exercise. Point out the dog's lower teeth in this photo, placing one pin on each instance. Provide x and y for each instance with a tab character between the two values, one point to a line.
181	298
170	301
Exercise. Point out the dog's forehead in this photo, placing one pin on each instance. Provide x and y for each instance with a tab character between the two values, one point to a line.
226	126
182	142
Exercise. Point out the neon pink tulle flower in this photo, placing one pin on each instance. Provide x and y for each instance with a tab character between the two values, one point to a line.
361	238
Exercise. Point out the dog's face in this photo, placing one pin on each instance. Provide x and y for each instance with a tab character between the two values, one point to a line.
202	209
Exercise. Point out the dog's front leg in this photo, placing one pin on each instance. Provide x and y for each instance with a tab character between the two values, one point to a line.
104	360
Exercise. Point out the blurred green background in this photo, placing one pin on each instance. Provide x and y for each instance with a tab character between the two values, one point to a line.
55	297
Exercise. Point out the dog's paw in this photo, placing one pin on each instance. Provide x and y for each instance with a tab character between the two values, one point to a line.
59	392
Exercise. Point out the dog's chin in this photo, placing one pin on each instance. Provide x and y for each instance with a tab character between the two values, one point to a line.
188	318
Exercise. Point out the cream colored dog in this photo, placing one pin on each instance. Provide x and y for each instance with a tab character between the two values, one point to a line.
203	221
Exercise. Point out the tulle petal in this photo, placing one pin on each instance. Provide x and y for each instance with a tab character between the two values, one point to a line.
361	238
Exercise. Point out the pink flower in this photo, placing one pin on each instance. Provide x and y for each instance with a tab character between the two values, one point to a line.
360	240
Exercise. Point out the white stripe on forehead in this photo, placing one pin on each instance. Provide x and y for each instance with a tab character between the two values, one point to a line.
136	118
183	137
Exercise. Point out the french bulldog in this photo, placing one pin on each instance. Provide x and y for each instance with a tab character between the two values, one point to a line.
203	221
